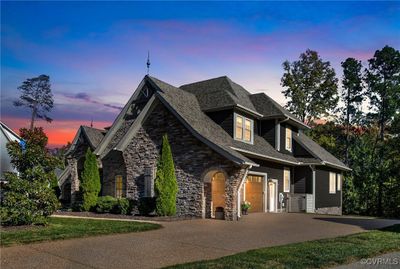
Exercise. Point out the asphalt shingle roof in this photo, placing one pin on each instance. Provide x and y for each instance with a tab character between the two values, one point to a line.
93	135
188	108
317	150
218	93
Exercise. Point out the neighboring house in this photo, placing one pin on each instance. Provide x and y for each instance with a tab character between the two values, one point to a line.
229	146
7	135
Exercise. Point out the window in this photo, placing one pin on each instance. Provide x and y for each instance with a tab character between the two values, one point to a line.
118	186
243	129
339	182
253	178
288	139
239	128
286	180
332	182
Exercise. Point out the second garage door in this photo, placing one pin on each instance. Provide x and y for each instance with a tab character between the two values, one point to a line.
254	192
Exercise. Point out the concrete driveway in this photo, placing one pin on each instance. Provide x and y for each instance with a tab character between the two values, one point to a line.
184	241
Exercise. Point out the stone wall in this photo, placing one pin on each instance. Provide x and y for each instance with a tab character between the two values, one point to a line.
113	165
192	159
329	210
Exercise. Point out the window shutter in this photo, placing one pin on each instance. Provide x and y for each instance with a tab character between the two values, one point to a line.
149	174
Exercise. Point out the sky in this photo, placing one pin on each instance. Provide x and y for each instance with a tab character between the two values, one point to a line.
95	52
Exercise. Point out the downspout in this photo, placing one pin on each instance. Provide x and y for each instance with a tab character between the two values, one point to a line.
239	211
313	185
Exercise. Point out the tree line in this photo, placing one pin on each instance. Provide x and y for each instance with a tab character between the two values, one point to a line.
367	140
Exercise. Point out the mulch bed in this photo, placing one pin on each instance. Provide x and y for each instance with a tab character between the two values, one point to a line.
118	216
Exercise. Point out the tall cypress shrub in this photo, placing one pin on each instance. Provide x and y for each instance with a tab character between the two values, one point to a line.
166	186
90	185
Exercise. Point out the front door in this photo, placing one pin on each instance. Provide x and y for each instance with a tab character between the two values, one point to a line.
254	192
272	197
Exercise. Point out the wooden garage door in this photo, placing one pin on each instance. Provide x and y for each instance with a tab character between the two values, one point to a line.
254	192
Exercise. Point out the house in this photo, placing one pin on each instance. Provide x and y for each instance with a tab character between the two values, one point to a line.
7	135
228	145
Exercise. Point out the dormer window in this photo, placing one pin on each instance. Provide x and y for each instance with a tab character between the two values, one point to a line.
288	139
243	130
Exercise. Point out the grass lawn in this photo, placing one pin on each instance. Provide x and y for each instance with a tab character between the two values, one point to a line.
311	254
63	228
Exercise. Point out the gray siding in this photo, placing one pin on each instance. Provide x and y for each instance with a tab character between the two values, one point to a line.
223	118
302	179
267	131
323	198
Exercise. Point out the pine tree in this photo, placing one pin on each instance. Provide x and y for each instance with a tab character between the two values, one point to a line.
90	181
166	186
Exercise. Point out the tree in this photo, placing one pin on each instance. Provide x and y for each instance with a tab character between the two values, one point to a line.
90	181
166	186
352	94
311	86
28	197
36	95
383	80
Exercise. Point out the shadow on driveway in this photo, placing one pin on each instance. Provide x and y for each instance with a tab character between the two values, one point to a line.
364	223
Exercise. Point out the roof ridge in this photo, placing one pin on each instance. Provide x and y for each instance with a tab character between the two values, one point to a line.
206	80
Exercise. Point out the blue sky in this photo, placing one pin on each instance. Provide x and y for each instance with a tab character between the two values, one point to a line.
95	52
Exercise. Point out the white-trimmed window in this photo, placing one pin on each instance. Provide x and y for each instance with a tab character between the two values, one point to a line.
286	179
118	186
243	130
288	139
332	182
339	182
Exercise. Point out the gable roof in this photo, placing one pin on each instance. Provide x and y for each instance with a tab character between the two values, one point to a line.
186	108
271	109
221	92
92	135
319	152
9	134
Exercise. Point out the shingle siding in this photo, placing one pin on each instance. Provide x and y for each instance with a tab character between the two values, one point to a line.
223	118
267	131
323	198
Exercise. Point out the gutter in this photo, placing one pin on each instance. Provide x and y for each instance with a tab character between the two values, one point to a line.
239	211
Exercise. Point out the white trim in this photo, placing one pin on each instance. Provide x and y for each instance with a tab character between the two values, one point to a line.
332	185
118	121
338	181
284	185
265	156
249	110
274	181
126	139
235	116
288	146
239	208
278	136
265	185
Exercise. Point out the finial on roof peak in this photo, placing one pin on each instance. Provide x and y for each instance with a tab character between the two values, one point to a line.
148	62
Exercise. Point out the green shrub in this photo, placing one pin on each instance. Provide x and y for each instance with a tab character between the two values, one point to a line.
109	204
166	186
28	197
123	207
106	204
90	181
147	205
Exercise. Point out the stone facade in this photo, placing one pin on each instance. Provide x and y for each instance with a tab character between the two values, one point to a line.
329	210
192	160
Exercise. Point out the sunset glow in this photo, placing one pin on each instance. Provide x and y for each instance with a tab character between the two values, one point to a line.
95	52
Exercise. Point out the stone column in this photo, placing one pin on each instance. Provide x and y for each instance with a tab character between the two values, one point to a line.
73	164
